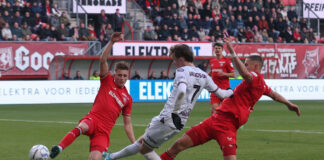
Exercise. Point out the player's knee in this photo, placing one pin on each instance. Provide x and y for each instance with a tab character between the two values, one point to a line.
229	151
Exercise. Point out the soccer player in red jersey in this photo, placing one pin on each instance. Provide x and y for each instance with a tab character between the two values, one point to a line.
232	113
220	70
112	98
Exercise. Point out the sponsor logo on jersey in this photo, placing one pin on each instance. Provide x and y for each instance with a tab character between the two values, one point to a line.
198	75
112	94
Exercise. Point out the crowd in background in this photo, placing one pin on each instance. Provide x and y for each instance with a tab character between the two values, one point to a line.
42	20
264	21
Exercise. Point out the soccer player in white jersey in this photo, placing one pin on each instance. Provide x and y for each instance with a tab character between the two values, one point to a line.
187	86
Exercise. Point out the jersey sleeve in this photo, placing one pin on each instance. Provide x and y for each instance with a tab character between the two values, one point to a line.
180	76
229	66
106	80
210	85
267	89
128	108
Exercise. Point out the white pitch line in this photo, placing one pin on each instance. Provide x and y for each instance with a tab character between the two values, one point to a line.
144	125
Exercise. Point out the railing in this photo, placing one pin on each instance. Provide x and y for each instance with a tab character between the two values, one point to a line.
70	5
308	19
130	29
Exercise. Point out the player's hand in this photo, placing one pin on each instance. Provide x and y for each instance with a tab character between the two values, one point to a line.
177	121
117	36
295	108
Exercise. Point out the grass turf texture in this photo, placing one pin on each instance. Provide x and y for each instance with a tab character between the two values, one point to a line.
272	132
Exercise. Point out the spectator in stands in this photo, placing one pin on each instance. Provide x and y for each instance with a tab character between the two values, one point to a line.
118	21
165	32
202	34
185	35
74	33
241	35
64	19
62	30
102	19
303	23
149	33
249	35
16	7
38	19
56	11
6	16
297	36
95	75
25	30
109	30
311	36
54	34
47	8
287	35
152	76
103	40
294	24
163	75
292	13
78	76
36	8
156	15
83	32
6	32
31	21
250	23
92	32
265	35
137	75
16	30
183	11
176	31
17	18
193	35
45	32
263	23
65	76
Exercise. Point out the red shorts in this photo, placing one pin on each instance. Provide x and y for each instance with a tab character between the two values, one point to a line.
99	138
218	127
214	99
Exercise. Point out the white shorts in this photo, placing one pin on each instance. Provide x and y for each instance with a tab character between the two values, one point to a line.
158	132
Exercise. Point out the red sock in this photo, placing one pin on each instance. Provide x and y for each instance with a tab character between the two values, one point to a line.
70	137
167	156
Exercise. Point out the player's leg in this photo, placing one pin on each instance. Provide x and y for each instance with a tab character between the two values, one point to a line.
231	157
82	128
149	152
155	135
214	102
99	141
197	135
180	145
125	152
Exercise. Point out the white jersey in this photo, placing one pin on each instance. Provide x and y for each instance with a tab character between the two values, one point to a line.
196	80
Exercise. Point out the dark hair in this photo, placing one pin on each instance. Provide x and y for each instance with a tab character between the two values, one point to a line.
256	58
122	65
218	44
182	50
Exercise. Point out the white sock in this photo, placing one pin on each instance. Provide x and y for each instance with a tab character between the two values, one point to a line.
152	156
127	151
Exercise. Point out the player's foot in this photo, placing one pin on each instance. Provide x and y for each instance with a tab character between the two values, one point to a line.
55	151
106	155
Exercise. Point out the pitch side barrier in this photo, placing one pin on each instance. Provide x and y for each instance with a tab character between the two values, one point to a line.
85	91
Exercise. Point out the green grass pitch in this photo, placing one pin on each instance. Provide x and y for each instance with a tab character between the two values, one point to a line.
272	132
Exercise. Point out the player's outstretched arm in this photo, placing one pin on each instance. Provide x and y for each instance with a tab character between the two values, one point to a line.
103	58
128	127
279	98
237	62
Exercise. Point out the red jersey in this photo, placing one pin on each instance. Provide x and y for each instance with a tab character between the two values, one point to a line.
224	64
245	96
109	102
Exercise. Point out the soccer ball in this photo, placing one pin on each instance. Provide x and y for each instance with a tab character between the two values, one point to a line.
39	152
